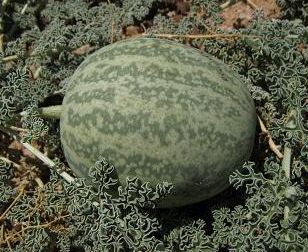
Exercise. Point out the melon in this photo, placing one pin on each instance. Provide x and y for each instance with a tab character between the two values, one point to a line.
160	111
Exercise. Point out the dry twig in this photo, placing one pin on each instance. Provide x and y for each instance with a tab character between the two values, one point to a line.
23	229
271	143
200	36
10	58
227	4
10	162
39	155
21	192
252	4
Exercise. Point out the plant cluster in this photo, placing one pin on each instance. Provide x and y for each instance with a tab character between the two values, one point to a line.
295	9
43	42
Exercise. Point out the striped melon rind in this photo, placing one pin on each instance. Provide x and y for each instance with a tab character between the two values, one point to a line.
160	111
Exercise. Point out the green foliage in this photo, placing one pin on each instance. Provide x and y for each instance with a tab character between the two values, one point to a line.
190	237
135	10
201	18
272	216
5	174
18	91
119	215
271	56
294	9
36	126
65	214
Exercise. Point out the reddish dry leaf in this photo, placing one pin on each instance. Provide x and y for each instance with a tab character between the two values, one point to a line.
132	30
18	146
82	50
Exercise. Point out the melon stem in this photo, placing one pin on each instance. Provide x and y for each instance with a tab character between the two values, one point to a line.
51	112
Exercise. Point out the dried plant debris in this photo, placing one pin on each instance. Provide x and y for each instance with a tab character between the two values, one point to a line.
43	42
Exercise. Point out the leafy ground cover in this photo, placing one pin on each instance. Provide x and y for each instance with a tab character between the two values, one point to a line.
43	42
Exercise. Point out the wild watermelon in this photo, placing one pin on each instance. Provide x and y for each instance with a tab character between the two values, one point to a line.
160	111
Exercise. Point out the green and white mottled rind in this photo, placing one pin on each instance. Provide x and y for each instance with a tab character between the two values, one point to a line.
160	111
